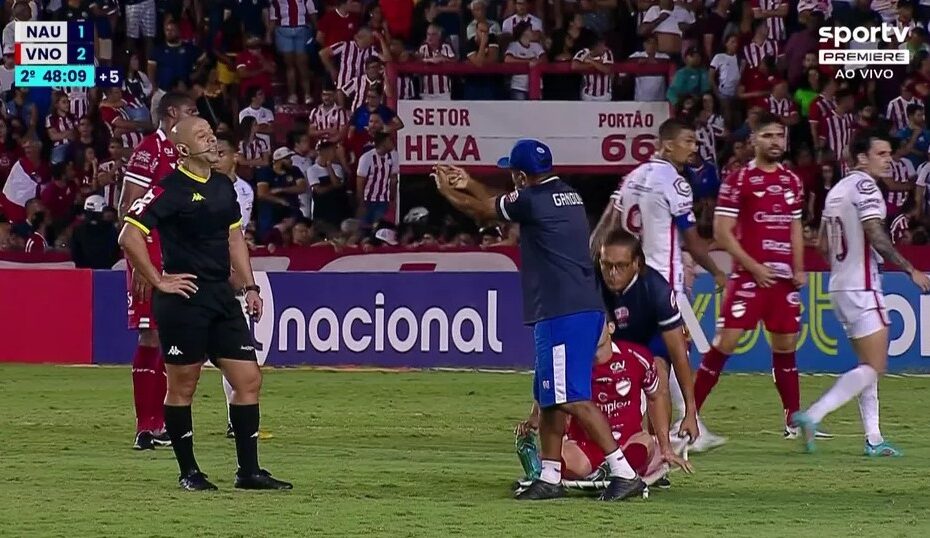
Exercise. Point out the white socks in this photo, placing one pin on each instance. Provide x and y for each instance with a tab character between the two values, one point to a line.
848	386
618	464
551	472
227	388
868	409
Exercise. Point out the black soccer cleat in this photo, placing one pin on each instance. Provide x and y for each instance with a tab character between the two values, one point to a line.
196	481
230	433
663	483
144	441
260	480
541	491
162	439
623	488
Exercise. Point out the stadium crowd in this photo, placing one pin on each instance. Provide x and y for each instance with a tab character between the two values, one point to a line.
300	86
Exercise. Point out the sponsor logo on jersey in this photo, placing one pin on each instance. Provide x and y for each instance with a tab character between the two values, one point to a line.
197	197
602	397
174	351
794	298
765	218
867	186
789	197
774	189
776	246
746	294
618	366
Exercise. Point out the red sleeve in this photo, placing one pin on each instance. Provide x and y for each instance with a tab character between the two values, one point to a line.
797	207
730	197
816	112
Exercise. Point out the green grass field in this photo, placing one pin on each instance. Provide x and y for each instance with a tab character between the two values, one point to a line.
430	454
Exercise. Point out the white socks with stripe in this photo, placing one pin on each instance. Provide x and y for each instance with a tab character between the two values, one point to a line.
847	387
551	471
618	464
868	409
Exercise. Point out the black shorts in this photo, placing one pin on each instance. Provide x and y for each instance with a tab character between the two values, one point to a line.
208	326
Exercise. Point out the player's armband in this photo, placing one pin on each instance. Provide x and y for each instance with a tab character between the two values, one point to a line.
683	222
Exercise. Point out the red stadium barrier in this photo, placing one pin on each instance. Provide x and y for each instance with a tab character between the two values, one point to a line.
47	316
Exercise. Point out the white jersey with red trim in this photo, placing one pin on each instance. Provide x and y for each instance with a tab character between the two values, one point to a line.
853	262
650	200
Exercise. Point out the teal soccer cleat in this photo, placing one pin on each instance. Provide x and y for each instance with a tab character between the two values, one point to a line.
882	450
808	430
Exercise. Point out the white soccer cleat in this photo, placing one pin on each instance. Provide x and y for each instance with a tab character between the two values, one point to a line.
708	441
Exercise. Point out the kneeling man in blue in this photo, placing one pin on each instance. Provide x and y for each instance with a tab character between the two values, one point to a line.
561	301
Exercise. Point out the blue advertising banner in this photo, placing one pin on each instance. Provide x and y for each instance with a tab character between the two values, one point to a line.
475	320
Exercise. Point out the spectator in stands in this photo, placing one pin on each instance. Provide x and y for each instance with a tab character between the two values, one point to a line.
667	21
94	241
521	16
138	87
293	29
374	20
915	138
302	233
896	111
526	51
360	120
21	12
327	185
35	228
692	79
713	26
22	108
353	93
781	105
113	113
10	152
376	179
479	13
251	17
800	44
338	24
328	121
808	91
106	17
756	85
278	190
435	51
264	117
761	47
352	56
448	15
489	236
213	104
254	150
86	138
60	126
649	88
7	237
298	142
25	179
58	196
597	16
7	70
480	50
254	70
406	89
597	63
724	76
174	61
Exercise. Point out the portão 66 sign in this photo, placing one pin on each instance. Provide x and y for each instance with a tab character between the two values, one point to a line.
581	134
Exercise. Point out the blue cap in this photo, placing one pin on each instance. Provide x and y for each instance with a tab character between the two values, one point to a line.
528	155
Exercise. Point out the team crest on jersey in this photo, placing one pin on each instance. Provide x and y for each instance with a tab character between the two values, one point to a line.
738	309
623	387
602	397
623	315
512	197
618	366
866	186
794	298
682	187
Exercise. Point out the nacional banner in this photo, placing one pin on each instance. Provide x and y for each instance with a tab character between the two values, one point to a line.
581	134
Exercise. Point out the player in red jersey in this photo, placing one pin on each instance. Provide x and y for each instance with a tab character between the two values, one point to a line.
623	373
758	221
153	159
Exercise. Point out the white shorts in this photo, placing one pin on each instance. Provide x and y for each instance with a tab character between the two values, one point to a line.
141	20
860	312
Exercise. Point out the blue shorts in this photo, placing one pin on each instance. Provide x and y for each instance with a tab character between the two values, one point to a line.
565	348
291	39
374	212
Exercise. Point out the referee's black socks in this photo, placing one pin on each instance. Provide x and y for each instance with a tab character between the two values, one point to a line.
180	428
244	419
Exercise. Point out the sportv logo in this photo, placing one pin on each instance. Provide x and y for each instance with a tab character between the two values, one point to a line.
374	328
857	59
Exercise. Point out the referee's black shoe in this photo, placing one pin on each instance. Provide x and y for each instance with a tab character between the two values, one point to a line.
260	480
623	488
196	481
540	491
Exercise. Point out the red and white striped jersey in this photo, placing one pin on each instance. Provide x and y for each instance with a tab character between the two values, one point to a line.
78	97
783	108
351	61
61	124
897	111
292	12
36	243
837	131
821	108
377	170
109	115
902	171
254	149
110	192
776	24
899	227
435	84
406	88
888	9
322	117
755	53
357	89
596	84
152	160
707	144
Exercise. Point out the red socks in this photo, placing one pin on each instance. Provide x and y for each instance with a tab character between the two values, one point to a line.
785	373
149	385
708	374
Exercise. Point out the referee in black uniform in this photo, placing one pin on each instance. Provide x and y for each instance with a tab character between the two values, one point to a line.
197	215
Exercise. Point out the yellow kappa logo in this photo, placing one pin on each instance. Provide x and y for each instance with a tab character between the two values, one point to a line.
197	197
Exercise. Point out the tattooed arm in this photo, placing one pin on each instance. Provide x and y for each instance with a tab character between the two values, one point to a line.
880	240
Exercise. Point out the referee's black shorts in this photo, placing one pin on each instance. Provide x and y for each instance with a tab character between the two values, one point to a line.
208	326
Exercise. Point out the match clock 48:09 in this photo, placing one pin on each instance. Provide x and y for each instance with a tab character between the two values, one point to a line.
54	75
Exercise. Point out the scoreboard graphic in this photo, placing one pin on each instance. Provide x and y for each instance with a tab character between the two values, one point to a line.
54	54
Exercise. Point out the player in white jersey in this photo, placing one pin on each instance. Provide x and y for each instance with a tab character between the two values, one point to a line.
854	240
654	202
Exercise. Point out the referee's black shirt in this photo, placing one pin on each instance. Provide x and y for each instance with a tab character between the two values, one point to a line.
193	216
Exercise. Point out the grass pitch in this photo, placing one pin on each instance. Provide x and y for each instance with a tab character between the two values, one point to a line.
431	454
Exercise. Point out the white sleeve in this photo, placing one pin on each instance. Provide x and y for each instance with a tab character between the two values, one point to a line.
715	62
922	173
364	164
536	23
911	173
395	163
311	8
679	196
869	202
652	14
243	114
507	27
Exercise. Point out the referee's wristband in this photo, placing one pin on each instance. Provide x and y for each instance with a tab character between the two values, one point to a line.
253	287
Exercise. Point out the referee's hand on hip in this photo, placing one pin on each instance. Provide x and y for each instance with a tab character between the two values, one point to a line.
181	284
